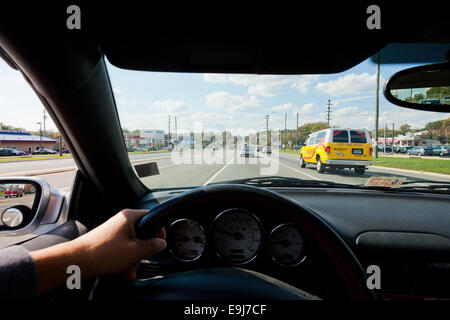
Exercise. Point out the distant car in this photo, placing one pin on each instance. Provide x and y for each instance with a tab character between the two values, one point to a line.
441	151
13	192
216	148
267	150
140	149
247	151
421	151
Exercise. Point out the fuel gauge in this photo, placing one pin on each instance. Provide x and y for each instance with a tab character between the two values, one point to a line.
187	239
286	245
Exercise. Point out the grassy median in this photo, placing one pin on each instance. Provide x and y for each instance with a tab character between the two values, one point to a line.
34	157
428	165
297	152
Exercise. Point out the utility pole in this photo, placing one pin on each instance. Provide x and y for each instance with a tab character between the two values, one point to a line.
60	145
267	130
285	130
169	133
385	128
329	104
376	103
296	136
176	129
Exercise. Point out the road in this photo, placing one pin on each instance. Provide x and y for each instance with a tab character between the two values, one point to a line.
214	166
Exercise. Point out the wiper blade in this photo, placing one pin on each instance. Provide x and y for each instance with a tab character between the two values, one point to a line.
277	181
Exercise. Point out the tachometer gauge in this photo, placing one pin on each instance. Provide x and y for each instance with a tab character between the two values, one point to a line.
237	236
286	245
187	239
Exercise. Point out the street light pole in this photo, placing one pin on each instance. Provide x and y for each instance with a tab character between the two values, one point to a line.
40	135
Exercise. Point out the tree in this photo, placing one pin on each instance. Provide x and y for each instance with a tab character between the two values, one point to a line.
136	131
437	92
404	128
125	130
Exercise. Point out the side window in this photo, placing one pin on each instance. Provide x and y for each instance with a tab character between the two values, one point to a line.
321	137
340	136
312	140
358	136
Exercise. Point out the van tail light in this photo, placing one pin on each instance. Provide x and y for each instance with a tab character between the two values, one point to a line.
370	151
327	150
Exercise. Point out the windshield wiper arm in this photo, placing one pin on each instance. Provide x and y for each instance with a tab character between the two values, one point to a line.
277	181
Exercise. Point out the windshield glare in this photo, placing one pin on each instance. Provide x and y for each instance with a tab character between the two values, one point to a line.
211	128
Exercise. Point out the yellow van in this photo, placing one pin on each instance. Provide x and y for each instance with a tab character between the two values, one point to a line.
338	148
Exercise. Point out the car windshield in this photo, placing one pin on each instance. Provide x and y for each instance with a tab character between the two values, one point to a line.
201	129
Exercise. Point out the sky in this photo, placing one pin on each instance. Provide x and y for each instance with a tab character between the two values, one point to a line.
233	102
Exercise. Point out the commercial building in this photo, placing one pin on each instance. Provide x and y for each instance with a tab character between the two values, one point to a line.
154	138
410	139
25	141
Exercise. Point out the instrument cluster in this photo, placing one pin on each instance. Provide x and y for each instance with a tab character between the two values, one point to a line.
237	237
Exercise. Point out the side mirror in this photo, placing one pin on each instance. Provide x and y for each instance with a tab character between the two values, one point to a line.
424	88
28	207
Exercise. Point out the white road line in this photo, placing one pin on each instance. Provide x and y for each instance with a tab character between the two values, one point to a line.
301	172
218	172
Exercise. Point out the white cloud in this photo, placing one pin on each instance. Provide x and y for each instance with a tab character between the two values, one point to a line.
265	85
170	106
230	102
349	84
351	99
345	111
283	107
308	108
121	100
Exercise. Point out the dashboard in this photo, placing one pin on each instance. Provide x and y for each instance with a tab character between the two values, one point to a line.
406	234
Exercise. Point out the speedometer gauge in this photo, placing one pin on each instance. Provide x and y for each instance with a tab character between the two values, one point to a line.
187	239
237	236
286	245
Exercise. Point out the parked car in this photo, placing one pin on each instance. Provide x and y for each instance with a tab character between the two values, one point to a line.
13	192
11	152
404	149
421	151
45	151
387	149
441	151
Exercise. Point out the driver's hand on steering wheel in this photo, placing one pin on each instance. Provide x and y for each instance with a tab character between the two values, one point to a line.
110	248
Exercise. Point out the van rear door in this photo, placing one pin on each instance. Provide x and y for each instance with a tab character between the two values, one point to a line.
359	145
340	147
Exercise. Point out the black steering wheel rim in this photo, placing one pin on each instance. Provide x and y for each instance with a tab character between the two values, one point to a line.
304	217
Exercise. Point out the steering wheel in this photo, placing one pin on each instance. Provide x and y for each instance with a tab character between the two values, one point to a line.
229	282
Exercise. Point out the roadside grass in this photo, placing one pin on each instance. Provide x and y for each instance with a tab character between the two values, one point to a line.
291	151
30	158
427	165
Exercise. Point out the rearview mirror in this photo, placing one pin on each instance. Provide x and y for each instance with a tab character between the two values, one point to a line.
424	88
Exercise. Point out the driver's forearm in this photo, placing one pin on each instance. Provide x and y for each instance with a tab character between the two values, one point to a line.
52	264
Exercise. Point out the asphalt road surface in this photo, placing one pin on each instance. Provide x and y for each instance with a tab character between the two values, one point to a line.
213	166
